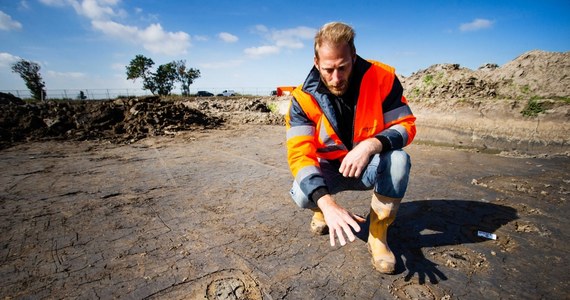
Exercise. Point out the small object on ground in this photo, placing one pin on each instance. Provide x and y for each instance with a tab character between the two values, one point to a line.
490	236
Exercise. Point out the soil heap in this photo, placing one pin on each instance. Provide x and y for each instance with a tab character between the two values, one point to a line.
122	120
520	107
535	74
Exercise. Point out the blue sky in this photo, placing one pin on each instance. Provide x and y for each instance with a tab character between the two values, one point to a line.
245	45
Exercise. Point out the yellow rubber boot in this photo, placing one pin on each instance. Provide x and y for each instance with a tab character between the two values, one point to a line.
318	224
382	214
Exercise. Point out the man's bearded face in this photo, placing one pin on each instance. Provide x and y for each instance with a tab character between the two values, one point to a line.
335	64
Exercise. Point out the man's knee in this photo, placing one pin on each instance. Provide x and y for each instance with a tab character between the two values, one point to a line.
400	164
393	179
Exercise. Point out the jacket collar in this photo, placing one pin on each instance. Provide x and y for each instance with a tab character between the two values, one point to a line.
316	88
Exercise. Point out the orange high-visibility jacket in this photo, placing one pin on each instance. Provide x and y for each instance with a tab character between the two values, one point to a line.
312	130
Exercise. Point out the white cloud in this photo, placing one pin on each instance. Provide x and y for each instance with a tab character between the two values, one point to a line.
93	10
54	2
228	37
6	22
476	24
24	4
261	28
201	38
291	38
153	38
7	59
262	51
102	14
156	40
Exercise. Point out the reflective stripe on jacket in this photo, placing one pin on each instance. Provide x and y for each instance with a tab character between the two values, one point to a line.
381	111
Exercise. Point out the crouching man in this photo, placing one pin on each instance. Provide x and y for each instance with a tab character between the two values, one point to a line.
346	127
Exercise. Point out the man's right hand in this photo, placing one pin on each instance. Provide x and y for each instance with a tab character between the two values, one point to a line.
339	220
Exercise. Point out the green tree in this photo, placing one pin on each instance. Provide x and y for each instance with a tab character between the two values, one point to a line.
30	72
139	67
162	81
185	76
164	78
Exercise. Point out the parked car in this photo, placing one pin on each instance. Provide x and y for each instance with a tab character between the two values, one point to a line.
227	93
204	94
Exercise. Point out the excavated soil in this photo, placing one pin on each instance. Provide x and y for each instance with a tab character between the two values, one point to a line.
187	198
522	107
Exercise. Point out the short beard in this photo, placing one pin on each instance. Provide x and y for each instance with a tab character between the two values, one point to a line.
335	91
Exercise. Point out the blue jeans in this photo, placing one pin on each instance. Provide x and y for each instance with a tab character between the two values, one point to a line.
387	173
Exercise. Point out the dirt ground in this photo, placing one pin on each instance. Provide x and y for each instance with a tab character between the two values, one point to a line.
206	215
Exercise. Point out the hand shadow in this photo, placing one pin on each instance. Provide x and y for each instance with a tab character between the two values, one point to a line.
434	223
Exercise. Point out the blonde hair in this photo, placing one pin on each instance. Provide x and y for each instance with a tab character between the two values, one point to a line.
335	33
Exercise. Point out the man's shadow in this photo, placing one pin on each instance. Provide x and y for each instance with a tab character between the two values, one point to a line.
434	223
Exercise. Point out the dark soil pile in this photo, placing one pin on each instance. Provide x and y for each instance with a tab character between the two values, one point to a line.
125	120
9	99
122	120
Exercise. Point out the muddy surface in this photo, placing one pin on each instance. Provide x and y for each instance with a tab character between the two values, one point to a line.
206	214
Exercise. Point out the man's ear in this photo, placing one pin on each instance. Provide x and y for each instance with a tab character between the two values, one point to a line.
316	62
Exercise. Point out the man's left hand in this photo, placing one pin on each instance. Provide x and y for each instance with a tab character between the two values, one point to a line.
357	159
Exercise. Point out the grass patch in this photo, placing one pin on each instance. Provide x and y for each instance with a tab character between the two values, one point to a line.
428	79
563	99
273	107
533	108
415	93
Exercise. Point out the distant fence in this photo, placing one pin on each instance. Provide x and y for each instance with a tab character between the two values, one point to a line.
102	94
88	94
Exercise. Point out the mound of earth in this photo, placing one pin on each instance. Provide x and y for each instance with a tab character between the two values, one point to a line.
122	120
9	99
119	120
522	106
535	74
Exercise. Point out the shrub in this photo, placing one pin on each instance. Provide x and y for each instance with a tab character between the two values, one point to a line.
428	79
533	108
